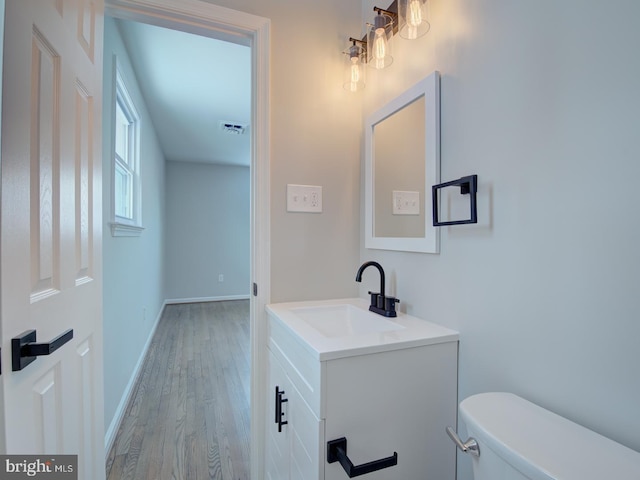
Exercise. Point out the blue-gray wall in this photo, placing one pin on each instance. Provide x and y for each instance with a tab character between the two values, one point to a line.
196	227
133	266
207	231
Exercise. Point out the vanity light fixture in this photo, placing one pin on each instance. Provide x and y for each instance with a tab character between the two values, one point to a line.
380	32
406	17
355	71
413	18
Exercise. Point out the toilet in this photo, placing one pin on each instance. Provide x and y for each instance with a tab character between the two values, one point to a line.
518	440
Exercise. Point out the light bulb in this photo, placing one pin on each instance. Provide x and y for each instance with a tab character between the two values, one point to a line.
414	13
355	74
414	19
380	47
411	32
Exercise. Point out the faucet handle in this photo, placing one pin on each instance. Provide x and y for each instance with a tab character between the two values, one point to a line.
374	298
390	304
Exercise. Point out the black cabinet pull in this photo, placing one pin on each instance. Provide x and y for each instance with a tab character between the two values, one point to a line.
277	408
337	452
24	348
279	412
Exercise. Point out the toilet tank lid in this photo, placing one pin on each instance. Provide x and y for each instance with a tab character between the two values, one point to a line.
543	445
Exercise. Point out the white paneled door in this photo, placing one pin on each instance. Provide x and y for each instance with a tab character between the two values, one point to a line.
50	226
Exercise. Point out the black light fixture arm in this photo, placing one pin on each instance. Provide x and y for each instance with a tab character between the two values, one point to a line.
391	11
379	11
353	50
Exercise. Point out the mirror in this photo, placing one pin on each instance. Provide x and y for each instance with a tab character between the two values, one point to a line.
402	162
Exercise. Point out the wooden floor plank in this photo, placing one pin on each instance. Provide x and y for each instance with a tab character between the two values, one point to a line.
188	417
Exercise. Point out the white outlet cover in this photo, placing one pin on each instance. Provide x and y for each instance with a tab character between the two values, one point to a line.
406	203
304	198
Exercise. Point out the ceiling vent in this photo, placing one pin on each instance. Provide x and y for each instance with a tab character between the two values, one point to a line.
232	128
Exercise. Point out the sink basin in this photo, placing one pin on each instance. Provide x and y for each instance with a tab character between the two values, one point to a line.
344	327
333	321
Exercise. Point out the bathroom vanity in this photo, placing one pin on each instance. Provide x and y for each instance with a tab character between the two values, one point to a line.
387	386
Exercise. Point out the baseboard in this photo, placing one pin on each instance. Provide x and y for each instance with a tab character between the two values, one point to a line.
112	431
174	301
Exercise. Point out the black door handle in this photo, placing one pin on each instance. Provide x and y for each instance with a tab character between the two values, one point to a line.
337	452
24	348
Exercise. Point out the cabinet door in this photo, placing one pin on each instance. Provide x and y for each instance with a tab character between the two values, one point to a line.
307	439
277	449
398	401
297	451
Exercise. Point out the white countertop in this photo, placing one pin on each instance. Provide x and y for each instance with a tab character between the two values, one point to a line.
410	332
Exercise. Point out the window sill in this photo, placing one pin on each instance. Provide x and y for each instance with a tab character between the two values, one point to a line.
125	230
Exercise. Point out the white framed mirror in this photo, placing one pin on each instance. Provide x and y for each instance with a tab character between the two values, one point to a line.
402	163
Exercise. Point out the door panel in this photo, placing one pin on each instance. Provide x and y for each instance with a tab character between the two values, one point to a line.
84	183
86	428
50	227
87	27
46	393
45	168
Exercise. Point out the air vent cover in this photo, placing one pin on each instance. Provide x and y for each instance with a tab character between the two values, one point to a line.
232	128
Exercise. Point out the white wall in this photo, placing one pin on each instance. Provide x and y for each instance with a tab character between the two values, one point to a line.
315	139
207	231
133	272
541	100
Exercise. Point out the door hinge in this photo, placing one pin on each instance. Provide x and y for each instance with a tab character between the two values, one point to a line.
255	289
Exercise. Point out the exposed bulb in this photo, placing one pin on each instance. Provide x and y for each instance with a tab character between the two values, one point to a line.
355	74
414	19
414	13
380	48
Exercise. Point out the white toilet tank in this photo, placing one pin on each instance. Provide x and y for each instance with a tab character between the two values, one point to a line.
519	440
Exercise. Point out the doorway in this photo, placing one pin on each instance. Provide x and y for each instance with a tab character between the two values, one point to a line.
217	22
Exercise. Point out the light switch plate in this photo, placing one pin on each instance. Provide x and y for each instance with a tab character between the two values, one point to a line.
406	203
304	198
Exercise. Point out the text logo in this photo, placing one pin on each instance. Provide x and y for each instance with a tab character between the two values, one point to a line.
50	467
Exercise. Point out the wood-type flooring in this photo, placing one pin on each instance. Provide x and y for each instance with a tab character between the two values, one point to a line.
188	416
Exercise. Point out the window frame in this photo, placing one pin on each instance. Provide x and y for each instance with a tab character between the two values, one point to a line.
123	226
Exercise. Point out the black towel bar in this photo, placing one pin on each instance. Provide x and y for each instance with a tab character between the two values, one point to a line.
337	452
468	186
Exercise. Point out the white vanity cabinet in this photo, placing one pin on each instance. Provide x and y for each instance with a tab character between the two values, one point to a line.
294	443
397	397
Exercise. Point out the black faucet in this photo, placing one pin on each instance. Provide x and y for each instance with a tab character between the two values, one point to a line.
380	304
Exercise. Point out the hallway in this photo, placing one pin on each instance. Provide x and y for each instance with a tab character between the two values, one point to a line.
188	417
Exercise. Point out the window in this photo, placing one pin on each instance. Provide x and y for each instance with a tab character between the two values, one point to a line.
126	196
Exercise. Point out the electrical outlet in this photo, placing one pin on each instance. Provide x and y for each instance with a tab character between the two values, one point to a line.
406	203
221	278
304	198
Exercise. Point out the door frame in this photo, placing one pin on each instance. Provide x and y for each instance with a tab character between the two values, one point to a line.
222	23
3	443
